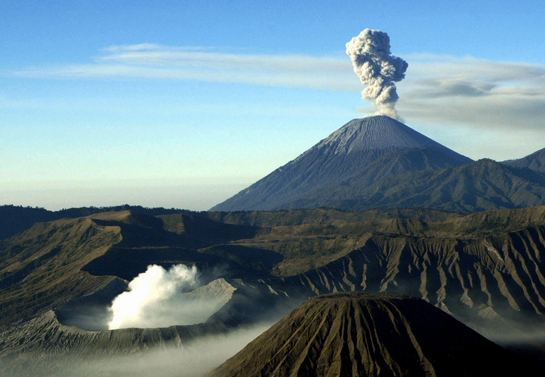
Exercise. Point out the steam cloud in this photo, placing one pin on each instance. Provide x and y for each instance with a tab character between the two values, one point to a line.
377	68
156	299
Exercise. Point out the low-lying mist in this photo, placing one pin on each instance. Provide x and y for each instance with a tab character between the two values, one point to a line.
190	360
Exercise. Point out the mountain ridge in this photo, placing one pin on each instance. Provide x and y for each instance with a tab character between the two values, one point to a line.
479	186
534	161
484	268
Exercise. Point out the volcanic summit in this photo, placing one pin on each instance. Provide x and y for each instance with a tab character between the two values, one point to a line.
362	334
366	149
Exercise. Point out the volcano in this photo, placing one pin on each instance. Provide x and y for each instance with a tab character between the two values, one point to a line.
358	334
378	162
368	149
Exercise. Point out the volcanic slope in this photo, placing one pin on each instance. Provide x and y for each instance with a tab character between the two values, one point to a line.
535	161
357	334
17	219
371	148
485	268
41	267
479	186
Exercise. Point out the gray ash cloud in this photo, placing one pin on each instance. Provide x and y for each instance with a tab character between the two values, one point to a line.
377	68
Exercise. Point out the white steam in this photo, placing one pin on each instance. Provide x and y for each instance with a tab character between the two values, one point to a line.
156	299
377	68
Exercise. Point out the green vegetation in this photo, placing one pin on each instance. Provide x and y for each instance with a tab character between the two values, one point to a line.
324	216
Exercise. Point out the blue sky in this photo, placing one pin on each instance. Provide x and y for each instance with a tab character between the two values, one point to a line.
183	104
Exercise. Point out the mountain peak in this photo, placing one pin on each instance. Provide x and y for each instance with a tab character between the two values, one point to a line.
359	334
377	133
366	150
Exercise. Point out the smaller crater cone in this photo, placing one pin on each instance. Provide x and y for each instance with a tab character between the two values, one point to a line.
362	334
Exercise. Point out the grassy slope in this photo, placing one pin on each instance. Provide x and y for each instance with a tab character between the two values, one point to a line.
324	216
17	219
309	246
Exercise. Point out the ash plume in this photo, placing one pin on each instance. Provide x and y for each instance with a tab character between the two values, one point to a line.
377	68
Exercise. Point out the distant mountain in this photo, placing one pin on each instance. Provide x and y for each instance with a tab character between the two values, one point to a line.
381	134
479	186
378	162
370	148
535	161
17	219
358	334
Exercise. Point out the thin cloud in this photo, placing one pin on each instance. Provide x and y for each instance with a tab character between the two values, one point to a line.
440	89
445	75
433	88
145	54
150	61
470	68
485	112
476	93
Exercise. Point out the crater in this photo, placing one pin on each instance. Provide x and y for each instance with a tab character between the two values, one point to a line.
93	313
